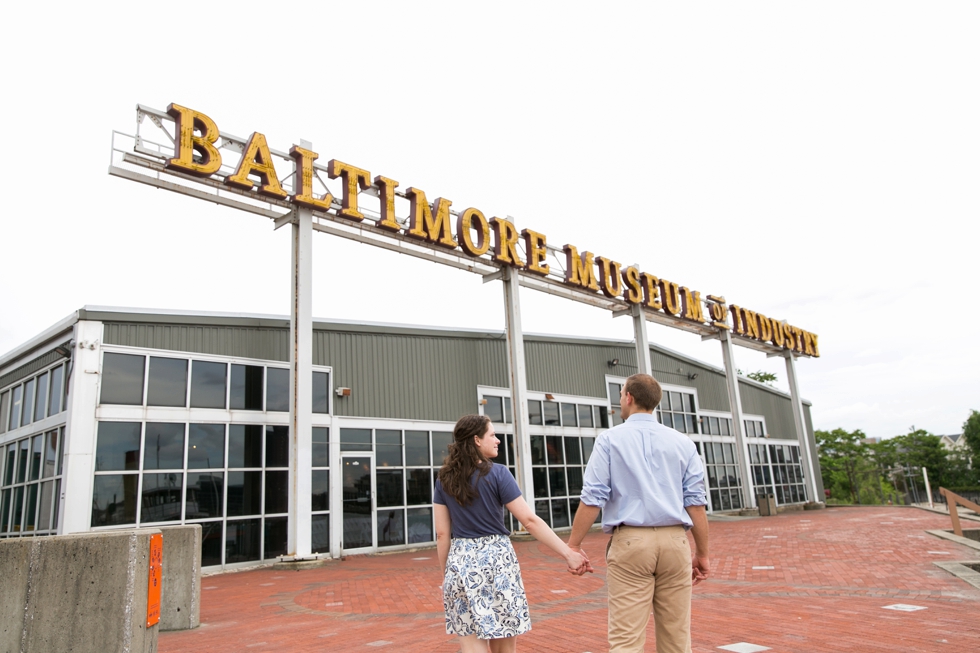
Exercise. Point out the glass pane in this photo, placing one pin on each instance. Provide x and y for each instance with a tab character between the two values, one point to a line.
57	390
574	481
556	481
614	392
494	409
559	513
321	489
713	426
537	450
573	507
541	510
164	446
321	534
118	446
602	417
556	454
420	525
321	447
211	543
726	426
690	423
277	446
355	439
276	534
417	448
509	447
44	514
206	446
61	453
676	401
28	403
508	412
667	419
679	423
205	492
391	527
419	486
242	540
357	518
161	497
276	492
57	502
277	389
166	384
573	455
41	403
389	445
321	389
5	509
246	387
16	403
551	416
122	379
440	447
245	445
114	500
8	474
208	385
244	493
534	415
17	508
50	453
540	477
390	485
4	410
585	416
36	453
30	512
569	414
587	445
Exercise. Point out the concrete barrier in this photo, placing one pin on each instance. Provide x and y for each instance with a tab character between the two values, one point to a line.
84	593
180	607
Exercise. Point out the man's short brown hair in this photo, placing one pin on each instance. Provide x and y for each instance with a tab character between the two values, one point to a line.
645	390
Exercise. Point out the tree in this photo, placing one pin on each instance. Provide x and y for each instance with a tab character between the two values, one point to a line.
843	458
920	448
768	378
971	433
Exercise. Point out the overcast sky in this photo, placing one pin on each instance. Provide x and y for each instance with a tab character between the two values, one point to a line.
816	162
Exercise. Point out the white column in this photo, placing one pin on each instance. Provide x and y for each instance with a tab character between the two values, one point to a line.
735	400
301	387
801	434
75	512
518	383
643	365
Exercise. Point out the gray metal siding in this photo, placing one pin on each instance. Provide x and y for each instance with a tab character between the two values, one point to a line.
777	410
244	342
29	368
575	369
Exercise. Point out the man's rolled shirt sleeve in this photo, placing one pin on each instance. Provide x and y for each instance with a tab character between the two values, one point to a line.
596	484
694	493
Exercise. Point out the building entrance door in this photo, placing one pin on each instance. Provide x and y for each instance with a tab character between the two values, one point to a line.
358	502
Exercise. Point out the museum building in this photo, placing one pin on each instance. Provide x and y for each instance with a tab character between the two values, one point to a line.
122	418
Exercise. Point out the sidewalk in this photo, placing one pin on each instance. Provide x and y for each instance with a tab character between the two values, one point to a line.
798	582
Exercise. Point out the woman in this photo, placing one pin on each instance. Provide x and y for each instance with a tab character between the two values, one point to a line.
482	589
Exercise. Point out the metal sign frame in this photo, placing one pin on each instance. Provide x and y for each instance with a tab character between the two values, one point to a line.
143	157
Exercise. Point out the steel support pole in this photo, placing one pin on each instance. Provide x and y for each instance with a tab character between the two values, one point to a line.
643	365
925	477
738	425
301	388
801	434
518	383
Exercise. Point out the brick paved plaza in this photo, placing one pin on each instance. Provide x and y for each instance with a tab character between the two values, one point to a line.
801	582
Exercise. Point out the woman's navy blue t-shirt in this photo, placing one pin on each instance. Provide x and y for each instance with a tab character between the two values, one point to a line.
485	515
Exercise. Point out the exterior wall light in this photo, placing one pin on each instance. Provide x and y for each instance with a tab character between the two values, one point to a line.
343	392
613	363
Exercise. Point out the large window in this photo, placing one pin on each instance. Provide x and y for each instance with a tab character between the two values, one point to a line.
30	484
179	383
33	399
678	410
721	469
777	468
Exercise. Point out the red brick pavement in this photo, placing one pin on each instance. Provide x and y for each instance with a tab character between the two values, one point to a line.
834	571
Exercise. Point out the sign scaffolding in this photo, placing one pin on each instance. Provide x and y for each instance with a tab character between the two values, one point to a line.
182	150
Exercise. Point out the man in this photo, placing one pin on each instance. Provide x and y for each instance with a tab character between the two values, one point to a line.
649	481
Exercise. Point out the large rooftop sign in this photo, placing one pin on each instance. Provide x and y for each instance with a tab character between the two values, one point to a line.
248	174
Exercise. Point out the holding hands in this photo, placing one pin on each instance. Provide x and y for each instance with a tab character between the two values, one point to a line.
578	561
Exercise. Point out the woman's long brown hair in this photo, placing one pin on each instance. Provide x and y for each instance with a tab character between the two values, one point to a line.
464	458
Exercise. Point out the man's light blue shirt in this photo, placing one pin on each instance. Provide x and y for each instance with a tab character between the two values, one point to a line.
643	473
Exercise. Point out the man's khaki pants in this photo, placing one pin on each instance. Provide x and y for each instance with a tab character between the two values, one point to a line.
648	568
